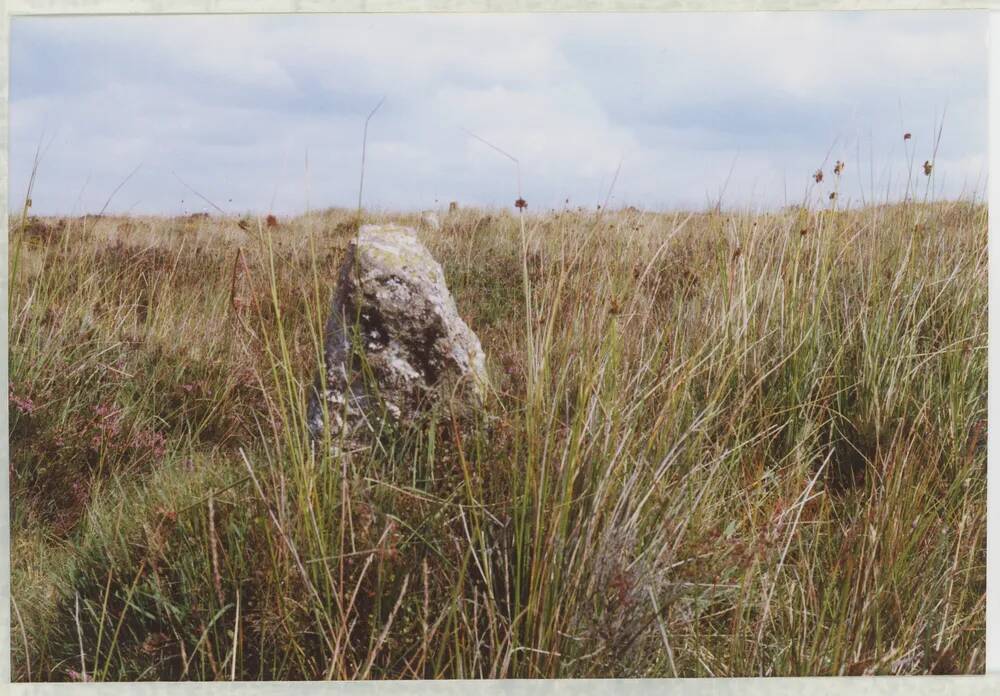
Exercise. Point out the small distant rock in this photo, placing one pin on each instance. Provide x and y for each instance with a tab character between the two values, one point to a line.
392	313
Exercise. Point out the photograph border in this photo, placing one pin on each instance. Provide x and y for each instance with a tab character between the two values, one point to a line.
902	685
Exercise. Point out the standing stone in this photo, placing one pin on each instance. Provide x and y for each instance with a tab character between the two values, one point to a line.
395	344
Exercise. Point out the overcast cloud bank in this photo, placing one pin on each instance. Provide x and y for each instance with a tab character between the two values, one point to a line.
261	113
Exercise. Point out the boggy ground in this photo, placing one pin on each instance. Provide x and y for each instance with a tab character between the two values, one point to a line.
717	444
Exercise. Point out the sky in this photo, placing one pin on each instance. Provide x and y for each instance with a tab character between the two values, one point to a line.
266	113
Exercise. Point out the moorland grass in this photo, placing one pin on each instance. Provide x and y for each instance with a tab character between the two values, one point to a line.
716	444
